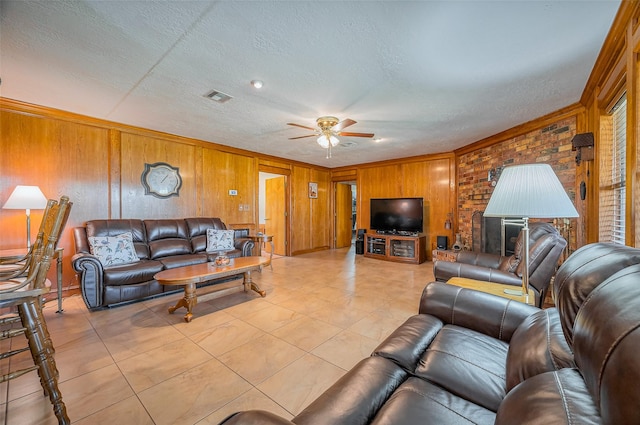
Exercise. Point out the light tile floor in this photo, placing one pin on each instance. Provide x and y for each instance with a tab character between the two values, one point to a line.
137	364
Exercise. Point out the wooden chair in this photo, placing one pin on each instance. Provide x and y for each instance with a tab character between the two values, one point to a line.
25	294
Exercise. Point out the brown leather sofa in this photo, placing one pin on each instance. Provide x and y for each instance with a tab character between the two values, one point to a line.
474	358
545	248
159	244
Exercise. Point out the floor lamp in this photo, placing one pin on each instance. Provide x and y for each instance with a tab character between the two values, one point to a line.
26	198
528	191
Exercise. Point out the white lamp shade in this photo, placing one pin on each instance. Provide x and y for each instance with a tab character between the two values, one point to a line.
26	198
324	142
532	191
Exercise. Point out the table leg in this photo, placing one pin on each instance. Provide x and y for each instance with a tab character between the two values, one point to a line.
188	301
271	256
250	284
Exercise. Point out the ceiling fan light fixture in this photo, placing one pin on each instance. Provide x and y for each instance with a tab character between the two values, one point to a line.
257	83
325	141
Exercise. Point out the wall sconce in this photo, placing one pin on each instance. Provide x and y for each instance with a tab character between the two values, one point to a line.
447	222
583	143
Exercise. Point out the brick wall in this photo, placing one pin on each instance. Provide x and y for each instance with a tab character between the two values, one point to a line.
551	145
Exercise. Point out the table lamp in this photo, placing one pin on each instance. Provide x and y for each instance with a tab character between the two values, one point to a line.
528	191
26	198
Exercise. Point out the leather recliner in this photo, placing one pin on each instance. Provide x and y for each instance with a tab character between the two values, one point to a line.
471	357
545	248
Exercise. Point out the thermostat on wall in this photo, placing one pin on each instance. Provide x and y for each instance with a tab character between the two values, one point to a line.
233	192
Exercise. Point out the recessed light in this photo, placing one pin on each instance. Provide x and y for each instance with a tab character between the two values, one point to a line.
378	139
257	83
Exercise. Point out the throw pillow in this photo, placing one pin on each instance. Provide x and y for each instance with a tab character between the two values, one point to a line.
112	250
219	240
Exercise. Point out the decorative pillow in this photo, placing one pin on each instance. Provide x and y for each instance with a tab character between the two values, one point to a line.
112	250
219	240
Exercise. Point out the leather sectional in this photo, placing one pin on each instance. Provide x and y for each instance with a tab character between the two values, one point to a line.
469	357
159	245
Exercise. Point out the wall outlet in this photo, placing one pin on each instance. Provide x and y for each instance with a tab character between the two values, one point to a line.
246	207
233	192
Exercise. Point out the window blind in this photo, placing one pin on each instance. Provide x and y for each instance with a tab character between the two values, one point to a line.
613	175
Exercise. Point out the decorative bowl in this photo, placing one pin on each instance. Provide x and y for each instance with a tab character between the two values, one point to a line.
222	260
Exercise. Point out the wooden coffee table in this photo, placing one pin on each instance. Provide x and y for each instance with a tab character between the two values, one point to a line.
190	276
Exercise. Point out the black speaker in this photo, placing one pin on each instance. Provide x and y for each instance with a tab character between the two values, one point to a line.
442	242
360	234
359	246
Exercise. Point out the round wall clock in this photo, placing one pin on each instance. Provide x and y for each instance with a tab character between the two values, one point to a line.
161	180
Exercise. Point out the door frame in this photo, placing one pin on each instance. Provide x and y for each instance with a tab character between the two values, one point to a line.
286	173
342	180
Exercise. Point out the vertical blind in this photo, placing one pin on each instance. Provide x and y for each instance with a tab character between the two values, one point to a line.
613	175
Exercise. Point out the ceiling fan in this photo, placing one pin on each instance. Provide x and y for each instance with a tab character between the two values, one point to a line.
328	129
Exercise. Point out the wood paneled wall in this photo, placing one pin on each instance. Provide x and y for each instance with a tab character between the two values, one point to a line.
616	71
98	164
431	177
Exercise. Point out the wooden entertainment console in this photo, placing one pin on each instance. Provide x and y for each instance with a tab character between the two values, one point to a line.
403	249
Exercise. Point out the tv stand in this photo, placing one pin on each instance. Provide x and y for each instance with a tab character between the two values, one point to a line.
396	247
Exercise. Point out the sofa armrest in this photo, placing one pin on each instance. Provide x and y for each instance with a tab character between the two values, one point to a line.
445	270
91	278
245	245
255	417
489	314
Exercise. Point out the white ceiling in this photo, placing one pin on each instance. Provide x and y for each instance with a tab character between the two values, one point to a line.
425	76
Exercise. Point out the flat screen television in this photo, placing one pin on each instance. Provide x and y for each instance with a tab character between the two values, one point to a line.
396	215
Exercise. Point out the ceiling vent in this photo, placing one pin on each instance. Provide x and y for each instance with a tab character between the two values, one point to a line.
218	96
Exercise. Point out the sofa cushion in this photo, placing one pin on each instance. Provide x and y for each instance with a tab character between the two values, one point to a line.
558	398
174	261
197	227
112	250
97	228
606	344
167	237
219	240
537	346
417	401
468	364
589	267
132	273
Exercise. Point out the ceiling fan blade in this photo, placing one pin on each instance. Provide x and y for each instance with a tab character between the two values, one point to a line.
348	134
301	126
303	137
343	124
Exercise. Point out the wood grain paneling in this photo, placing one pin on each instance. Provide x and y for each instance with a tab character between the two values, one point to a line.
62	158
138	150
222	172
320	220
376	182
432	179
301	210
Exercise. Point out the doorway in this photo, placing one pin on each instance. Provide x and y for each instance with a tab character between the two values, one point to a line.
345	214
272	206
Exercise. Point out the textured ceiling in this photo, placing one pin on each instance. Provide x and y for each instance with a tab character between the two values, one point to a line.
425	76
